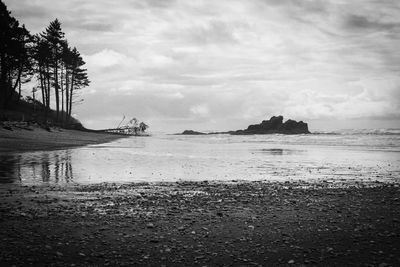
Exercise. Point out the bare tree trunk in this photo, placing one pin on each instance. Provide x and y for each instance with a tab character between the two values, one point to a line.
19	92
48	86
9	88
70	95
3	88
66	94
42	85
17	83
34	100
48	90
62	94
56	89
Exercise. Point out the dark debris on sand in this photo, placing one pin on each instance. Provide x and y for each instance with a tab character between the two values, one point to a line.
201	224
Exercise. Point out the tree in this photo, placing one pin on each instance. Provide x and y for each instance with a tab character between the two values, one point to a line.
142	127
42	69
60	69
78	77
53	37
57	67
15	63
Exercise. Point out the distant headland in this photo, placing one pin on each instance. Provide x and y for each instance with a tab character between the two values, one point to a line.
274	125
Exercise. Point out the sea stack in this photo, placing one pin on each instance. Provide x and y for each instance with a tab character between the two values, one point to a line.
276	125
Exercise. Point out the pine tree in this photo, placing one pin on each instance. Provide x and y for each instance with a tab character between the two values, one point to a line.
15	63
79	77
54	37
48	56
42	69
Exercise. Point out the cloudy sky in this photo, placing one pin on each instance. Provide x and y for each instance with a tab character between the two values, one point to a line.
220	65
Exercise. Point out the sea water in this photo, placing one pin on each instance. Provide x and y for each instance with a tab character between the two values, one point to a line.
366	155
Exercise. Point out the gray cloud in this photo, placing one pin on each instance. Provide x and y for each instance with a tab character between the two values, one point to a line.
314	6
95	26
153	4
359	22
214	32
32	13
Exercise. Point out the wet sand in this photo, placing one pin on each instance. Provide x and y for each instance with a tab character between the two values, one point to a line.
201	224
36	138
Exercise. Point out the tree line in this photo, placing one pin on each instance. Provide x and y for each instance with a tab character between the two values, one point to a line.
46	58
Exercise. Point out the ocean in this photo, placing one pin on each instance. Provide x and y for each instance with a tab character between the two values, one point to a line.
347	155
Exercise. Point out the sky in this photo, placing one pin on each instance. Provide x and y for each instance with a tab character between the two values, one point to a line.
222	65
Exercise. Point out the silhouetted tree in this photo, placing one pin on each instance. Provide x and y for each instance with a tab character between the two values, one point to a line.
15	63
42	60
60	69
78	77
48	56
54	37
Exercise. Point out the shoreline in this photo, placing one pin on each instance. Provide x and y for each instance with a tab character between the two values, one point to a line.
201	224
36	138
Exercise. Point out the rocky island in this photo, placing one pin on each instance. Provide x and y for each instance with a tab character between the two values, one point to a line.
191	132
275	125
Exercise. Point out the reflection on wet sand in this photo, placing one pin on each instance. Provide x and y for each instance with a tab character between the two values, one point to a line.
8	169
174	158
46	167
279	151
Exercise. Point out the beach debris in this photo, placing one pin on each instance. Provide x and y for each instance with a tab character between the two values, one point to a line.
150	225
141	224
132	127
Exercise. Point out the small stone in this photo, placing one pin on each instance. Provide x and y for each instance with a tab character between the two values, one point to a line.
150	225
291	262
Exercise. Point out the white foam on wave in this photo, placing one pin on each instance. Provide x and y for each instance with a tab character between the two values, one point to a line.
380	131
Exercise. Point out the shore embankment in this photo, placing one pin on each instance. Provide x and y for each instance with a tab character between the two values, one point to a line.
21	137
201	224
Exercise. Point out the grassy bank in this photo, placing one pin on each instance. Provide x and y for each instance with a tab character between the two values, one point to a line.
36	112
201	224
27	126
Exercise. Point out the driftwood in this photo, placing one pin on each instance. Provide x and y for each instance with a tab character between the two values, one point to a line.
132	128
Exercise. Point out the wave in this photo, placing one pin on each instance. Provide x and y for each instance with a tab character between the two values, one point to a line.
382	131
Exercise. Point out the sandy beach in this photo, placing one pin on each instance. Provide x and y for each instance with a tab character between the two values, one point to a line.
62	218
201	224
36	138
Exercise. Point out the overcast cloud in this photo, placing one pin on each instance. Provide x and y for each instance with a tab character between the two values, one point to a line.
219	65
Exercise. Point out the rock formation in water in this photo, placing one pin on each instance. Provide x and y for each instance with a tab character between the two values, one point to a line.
190	132
275	125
